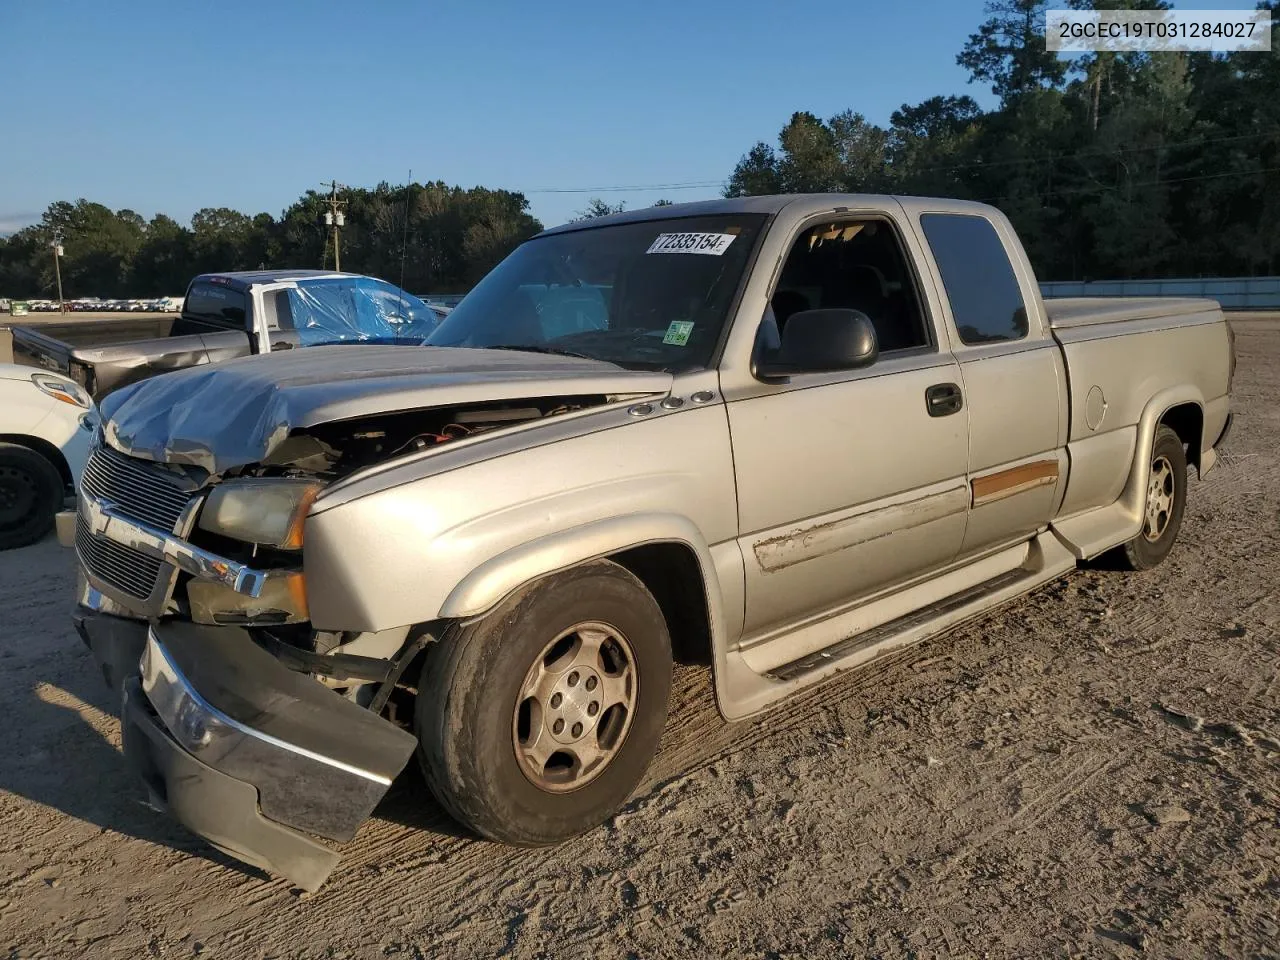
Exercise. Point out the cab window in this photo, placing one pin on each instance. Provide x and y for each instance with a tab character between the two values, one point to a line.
986	301
856	264
216	304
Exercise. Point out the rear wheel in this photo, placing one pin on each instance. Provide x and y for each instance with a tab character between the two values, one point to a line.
30	495
536	722
1165	500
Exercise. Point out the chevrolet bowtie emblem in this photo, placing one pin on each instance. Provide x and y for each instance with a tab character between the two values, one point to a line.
98	518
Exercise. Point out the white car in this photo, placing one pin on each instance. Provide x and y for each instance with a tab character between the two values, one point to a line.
46	423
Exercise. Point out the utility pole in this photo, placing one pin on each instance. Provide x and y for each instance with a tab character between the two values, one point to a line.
56	245
335	218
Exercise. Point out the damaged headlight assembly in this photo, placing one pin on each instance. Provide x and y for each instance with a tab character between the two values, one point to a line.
267	512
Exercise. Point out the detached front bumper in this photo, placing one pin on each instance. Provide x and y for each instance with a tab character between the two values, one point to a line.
262	762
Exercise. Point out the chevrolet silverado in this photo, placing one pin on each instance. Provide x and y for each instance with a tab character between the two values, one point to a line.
780	436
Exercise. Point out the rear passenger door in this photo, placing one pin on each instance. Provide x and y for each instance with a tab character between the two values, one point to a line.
1013	376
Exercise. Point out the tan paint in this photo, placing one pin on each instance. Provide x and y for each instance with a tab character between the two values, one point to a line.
1095	408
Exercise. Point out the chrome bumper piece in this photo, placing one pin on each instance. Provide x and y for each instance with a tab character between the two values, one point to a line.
105	520
261	761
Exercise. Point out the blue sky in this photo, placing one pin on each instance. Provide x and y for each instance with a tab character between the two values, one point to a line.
173	106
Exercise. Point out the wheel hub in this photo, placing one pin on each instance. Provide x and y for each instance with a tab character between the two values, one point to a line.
17	496
575	707
1160	497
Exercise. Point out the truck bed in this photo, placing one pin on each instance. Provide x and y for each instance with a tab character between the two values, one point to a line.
84	333
1070	312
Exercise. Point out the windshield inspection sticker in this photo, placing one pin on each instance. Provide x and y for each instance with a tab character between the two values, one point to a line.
678	333
713	244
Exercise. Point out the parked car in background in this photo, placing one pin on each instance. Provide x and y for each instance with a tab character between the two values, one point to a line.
227	315
46	422
780	435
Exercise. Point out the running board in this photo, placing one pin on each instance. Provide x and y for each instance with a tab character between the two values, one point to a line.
752	678
870	638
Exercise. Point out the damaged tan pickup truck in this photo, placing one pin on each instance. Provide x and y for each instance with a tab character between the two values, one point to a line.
779	435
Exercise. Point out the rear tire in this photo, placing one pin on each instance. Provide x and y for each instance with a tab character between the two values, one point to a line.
537	722
1165	501
30	495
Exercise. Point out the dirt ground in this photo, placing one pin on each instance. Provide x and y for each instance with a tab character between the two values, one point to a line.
1091	771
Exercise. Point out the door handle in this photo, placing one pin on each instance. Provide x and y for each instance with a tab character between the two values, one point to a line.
943	399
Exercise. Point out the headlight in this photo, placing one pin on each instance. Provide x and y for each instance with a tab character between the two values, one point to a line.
269	512
63	390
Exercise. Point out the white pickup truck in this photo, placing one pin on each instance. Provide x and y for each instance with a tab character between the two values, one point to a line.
779	435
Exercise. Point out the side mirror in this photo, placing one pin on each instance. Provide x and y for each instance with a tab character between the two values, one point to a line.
821	341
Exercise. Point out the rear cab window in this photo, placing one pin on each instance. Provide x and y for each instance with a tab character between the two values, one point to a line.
217	305
986	301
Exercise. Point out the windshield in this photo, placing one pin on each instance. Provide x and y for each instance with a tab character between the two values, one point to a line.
339	309
647	295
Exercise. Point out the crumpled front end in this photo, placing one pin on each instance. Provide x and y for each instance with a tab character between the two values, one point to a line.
264	763
246	748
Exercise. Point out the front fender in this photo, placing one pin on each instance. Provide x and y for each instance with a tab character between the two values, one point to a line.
452	544
497	578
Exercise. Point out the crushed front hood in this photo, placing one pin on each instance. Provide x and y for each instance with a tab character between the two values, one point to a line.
230	414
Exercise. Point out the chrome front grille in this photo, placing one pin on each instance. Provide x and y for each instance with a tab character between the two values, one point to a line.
127	570
143	492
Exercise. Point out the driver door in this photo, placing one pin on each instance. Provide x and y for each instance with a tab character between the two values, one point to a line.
849	482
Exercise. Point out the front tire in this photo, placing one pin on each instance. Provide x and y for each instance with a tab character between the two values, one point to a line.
30	495
1166	498
537	722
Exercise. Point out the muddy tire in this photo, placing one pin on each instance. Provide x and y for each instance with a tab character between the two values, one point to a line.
30	496
537	722
1166	498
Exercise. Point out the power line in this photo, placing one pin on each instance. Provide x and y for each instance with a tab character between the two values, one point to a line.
637	188
1141	183
1024	161
1019	161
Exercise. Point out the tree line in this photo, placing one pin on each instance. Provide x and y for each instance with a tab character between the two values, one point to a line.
1111	165
435	237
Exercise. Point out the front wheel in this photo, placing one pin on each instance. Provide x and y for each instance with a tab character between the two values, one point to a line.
30	495
535	723
1165	500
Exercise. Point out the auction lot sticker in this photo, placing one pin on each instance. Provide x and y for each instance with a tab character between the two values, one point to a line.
713	244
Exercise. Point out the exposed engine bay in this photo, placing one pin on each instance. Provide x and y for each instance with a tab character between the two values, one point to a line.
325	453
333	450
